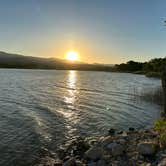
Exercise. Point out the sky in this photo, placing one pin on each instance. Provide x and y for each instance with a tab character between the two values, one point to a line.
101	31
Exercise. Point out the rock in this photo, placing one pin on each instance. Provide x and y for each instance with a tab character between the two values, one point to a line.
131	128
58	163
148	164
61	153
79	148
70	162
101	163
79	163
147	148
97	163
107	140
162	163
124	134
94	153
111	131
120	132
66	158
121	141
92	164
115	149
47	161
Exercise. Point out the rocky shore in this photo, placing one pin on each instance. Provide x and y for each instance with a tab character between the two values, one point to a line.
117	148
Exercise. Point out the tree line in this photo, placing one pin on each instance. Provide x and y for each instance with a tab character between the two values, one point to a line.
150	68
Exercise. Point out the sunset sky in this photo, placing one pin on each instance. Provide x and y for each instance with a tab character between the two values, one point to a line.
102	31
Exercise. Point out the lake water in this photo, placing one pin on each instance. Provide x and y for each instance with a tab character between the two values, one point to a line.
44	108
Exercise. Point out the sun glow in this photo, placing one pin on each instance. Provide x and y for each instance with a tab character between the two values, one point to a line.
72	56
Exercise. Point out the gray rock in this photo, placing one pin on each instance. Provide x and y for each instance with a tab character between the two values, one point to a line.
124	134
147	148
70	162
94	153
131	128
115	149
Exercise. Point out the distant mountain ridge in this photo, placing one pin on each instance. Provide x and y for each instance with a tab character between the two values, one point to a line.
9	60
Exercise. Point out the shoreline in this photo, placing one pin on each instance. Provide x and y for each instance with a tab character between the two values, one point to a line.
117	148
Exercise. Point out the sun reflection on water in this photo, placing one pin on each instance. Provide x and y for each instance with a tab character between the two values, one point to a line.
72	79
70	97
71	83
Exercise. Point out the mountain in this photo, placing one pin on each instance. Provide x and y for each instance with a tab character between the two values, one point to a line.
8	60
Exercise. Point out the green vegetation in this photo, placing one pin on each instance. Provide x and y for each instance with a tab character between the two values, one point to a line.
160	128
130	66
151	68
153	74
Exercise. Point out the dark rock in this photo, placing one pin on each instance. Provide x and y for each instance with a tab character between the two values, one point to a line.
147	148
98	163
94	153
58	163
131	128
101	163
121	141
111	131
92	164
61	153
70	162
120	132
115	149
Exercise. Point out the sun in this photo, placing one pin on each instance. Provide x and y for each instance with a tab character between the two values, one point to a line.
72	56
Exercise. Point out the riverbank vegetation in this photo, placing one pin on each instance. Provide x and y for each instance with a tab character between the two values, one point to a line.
154	96
151	68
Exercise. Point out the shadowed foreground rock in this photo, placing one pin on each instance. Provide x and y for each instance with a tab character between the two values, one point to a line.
133	148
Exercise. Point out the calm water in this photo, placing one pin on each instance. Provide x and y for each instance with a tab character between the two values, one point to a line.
40	108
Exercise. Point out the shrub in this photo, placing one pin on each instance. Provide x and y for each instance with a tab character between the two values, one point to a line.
160	128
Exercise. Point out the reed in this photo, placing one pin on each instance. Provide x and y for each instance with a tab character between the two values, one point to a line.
152	95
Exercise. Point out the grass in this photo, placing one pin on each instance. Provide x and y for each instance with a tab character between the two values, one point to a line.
160	127
153	74
155	96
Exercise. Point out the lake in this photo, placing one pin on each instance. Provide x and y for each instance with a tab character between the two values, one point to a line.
44	108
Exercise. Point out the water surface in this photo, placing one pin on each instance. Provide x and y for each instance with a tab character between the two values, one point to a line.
44	108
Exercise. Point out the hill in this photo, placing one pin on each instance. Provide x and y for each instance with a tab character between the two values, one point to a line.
8	60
